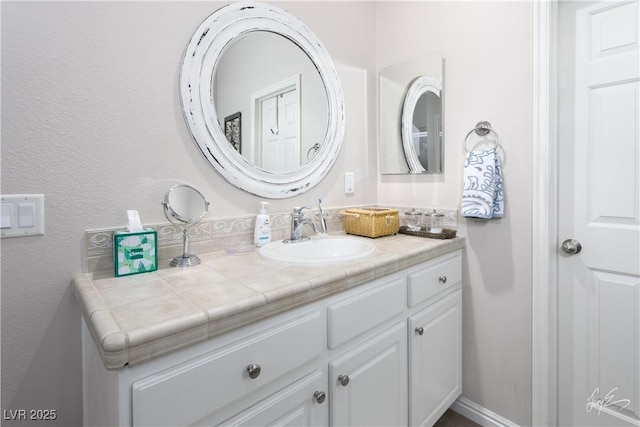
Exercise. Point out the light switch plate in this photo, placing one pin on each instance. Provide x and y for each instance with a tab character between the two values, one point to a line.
23	215
349	183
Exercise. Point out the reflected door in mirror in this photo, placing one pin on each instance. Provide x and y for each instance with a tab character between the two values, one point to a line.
277	140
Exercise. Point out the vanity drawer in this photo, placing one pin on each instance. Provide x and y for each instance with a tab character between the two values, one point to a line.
433	279
354	316
184	394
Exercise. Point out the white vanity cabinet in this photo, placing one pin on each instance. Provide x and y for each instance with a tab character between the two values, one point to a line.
384	353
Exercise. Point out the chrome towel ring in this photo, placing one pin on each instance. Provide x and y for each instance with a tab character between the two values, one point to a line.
482	129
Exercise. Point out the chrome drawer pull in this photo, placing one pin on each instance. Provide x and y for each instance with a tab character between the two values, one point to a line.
442	279
344	380
254	371
320	396
420	330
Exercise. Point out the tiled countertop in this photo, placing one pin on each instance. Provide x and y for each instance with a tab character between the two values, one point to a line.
140	317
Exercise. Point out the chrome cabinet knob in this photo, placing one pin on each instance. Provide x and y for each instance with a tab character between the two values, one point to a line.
344	380
571	246
420	330
320	396
442	279
254	371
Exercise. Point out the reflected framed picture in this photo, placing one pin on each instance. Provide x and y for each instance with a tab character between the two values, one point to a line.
232	130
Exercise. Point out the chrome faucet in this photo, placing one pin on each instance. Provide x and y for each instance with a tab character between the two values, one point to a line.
297	224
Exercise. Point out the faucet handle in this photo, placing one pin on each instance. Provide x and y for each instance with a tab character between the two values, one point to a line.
298	210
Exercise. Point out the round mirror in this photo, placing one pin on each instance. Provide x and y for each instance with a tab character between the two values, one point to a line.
422	126
184	206
262	99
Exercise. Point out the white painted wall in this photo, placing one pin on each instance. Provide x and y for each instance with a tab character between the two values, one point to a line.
488	76
91	117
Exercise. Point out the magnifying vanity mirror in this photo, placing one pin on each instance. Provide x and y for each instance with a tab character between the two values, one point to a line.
185	206
262	99
411	117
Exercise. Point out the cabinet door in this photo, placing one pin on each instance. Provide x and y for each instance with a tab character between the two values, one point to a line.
368	385
301	404
435	359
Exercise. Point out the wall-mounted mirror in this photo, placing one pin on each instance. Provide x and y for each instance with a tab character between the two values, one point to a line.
262	99
411	117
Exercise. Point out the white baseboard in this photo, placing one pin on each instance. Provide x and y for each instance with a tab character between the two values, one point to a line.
479	414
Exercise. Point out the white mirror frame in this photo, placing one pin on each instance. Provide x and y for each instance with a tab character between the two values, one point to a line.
418	87
196	89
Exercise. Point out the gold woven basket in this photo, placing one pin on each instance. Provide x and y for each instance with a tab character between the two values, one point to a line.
371	222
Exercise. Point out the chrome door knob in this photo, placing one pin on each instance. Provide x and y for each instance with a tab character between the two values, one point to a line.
344	380
571	246
254	371
320	396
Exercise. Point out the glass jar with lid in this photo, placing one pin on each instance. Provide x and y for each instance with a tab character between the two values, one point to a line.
413	218
434	222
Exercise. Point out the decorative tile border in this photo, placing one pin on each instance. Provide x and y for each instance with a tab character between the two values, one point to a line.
215	233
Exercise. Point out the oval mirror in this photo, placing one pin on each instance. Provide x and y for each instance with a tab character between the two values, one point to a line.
262	100
422	126
185	206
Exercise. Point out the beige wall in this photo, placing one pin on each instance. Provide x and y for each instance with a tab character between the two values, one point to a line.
488	52
91	118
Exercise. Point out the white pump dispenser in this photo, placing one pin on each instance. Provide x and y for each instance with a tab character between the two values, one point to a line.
262	231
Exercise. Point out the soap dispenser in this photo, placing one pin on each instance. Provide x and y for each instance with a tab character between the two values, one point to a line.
262	231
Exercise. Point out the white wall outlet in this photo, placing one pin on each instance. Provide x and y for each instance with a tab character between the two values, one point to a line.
22	215
349	183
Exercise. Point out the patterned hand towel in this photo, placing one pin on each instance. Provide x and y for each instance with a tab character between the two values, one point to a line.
482	196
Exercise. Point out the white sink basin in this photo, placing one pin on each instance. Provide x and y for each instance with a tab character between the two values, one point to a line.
319	250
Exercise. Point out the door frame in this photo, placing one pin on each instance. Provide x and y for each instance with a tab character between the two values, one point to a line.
544	293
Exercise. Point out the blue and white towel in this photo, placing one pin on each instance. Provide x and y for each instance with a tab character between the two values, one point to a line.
482	196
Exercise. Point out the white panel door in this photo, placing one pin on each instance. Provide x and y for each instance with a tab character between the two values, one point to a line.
289	122
599	286
269	135
280	148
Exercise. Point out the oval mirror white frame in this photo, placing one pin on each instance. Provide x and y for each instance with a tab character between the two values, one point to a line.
196	90
419	87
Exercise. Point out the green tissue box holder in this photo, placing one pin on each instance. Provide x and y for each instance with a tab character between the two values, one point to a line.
135	252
